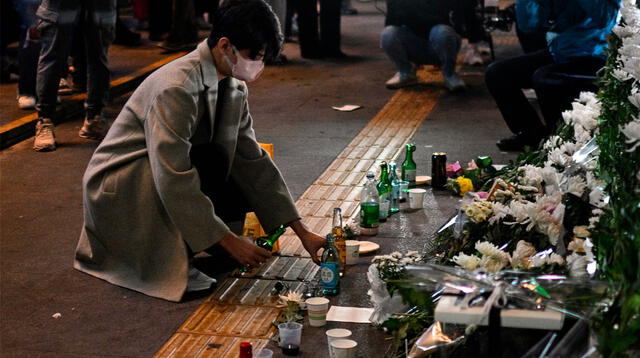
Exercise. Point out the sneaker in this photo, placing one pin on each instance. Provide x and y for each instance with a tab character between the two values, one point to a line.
472	56
95	128
399	80
198	281
45	139
26	102
454	83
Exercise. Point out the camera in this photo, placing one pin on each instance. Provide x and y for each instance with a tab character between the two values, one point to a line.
495	17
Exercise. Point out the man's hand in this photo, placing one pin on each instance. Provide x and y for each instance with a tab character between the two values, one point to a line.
311	241
244	250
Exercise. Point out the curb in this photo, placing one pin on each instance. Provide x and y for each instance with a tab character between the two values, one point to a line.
24	127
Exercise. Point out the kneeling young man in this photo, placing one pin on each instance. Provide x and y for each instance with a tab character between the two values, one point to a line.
181	166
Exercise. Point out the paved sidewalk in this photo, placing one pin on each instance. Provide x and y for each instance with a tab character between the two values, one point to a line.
41	209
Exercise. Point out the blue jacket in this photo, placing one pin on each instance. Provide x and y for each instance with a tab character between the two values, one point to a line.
574	28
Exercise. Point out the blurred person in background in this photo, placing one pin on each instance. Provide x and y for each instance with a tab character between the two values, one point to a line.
57	20
576	32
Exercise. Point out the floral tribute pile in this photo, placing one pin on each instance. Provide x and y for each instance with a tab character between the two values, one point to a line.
572	207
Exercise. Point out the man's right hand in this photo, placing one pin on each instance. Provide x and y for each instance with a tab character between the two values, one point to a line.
244	250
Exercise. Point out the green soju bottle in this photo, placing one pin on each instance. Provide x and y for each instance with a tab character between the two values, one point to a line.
395	188
369	207
384	190
330	268
409	166
267	242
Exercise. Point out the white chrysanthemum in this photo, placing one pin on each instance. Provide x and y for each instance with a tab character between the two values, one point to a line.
467	262
576	185
577	245
621	75
487	248
588	97
555	259
597	197
532	175
634	98
551	179
553	141
581	135
499	212
623	31
520	258
577	265
292	296
557	157
632	66
632	131
493	264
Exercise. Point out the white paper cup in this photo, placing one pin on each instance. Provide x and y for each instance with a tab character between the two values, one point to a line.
290	333
264	353
344	348
353	251
334	335
317	308
416	197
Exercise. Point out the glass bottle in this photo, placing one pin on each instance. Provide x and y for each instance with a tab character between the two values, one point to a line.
338	235
384	190
369	207
330	268
266	242
395	188
409	166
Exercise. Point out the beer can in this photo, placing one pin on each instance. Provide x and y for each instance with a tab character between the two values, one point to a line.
438	169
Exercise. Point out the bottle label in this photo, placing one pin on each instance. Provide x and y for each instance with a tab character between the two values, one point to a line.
329	274
410	175
369	215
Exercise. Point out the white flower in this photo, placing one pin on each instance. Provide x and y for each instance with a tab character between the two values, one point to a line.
577	265
292	296
577	245
576	185
553	141
555	259
499	212
532	175
588	97
621	75
557	157
632	131
521	255
634	98
551	179
467	262
493	264
597	197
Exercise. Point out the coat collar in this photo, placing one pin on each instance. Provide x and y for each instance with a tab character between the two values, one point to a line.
209	72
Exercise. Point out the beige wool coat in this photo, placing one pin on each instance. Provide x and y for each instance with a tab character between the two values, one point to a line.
141	194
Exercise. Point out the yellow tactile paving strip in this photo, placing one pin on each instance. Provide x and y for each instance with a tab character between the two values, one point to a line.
242	309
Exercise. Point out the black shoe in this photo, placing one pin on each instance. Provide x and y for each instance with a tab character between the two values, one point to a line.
516	142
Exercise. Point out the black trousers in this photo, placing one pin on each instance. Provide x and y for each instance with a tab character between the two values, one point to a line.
556	86
328	41
229	202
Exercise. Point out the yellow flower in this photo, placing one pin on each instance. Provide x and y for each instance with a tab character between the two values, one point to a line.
465	185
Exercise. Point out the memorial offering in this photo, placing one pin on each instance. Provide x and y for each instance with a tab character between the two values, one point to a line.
550	241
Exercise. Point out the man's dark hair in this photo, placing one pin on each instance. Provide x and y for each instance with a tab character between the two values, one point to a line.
248	24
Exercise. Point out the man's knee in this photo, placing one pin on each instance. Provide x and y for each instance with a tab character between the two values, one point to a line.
390	37
443	32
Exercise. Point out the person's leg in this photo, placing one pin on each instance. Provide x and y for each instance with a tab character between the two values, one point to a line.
56	27
159	19
230	204
330	28
308	28
404	48
99	33
444	45
558	85
28	53
505	80
184	30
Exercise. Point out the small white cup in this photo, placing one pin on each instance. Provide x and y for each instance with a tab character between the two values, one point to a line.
416	197
353	251
265	353
344	348
290	333
334	335
317	308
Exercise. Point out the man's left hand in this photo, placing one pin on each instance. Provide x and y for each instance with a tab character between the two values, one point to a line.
312	242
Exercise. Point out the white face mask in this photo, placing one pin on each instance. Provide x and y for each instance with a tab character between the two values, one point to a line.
244	69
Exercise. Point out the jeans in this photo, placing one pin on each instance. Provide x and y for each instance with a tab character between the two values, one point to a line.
29	46
57	21
405	48
556	86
